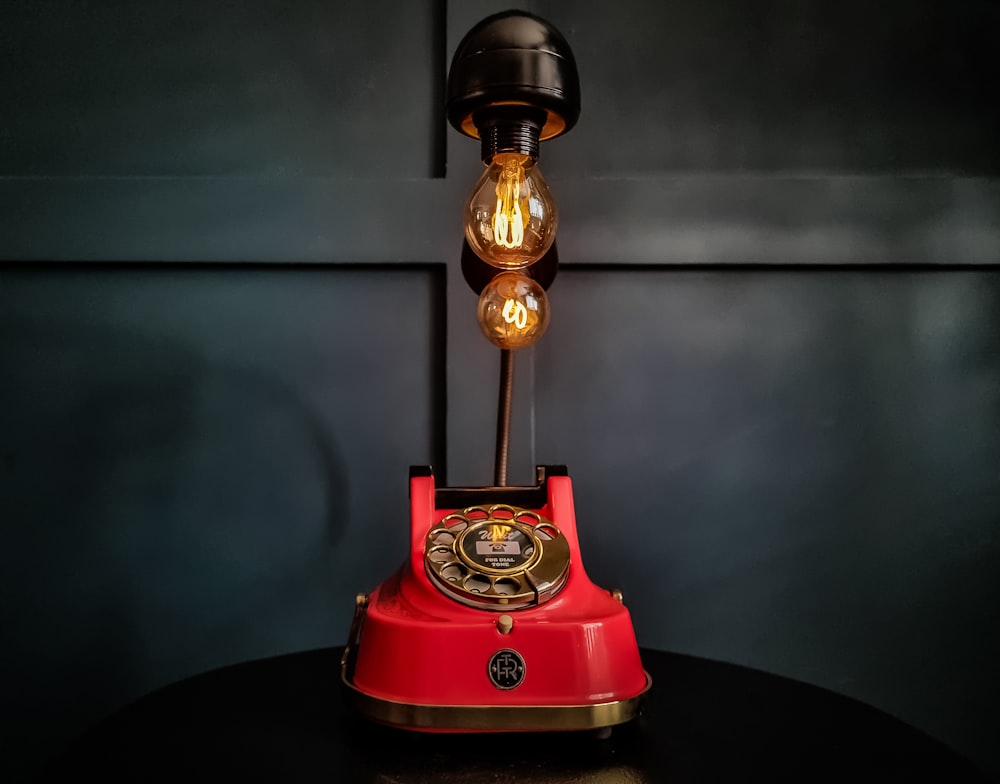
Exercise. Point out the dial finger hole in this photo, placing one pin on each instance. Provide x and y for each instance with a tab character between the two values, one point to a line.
505	586
477	583
444	539
440	554
547	531
453	573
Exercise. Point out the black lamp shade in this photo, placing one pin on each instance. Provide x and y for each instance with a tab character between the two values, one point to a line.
509	60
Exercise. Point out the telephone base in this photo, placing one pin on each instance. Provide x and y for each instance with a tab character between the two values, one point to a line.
495	718
493	625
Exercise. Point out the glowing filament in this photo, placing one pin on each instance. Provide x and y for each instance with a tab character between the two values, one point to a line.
508	223
515	313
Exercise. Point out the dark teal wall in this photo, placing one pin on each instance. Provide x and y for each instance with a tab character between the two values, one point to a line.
231	315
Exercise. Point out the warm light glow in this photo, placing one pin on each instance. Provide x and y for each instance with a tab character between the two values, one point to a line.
498	533
513	310
515	313
510	219
508	224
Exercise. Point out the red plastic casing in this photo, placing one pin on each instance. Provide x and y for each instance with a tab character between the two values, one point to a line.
419	646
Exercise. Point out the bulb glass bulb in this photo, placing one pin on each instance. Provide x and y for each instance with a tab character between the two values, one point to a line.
511	219
513	310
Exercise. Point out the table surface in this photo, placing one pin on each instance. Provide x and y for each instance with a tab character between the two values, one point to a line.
288	719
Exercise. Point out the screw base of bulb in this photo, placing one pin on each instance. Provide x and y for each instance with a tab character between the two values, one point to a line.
509	129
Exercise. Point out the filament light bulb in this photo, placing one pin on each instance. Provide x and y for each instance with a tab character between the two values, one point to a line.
511	219
513	310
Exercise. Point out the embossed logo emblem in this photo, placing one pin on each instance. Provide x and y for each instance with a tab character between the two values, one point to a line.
506	669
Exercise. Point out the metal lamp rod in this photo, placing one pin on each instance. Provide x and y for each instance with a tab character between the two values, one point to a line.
503	416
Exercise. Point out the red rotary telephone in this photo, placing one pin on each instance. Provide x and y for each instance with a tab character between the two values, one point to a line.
493	624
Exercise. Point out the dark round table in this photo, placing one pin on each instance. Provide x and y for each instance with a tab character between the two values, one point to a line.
287	719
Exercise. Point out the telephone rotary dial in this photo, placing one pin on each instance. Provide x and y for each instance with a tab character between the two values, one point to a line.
497	557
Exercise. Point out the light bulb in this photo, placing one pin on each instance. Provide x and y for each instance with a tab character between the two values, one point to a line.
513	310
510	219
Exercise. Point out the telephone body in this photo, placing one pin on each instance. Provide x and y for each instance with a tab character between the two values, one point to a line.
492	624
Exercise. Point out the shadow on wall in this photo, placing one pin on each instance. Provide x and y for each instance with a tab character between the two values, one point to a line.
162	514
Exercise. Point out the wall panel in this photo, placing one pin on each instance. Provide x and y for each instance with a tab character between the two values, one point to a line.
781	86
792	470
262	88
199	465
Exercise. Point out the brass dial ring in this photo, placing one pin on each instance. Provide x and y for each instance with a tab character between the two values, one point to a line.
497	557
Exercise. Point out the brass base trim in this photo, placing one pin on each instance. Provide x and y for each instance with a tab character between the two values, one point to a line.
496	718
